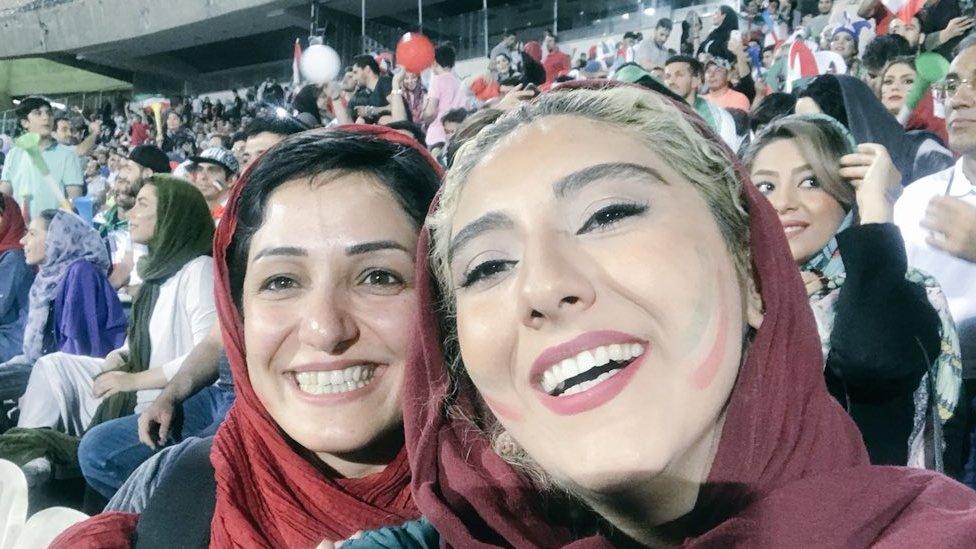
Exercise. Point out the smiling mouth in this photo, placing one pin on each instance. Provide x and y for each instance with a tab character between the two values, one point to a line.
588	369
331	382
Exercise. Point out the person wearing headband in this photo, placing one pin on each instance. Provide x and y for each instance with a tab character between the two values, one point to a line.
214	172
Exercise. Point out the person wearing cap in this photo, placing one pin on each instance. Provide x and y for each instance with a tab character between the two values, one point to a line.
22	180
652	53
720	90
683	75
215	170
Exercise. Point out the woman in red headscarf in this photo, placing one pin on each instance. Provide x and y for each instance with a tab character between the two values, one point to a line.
629	354
15	279
316	309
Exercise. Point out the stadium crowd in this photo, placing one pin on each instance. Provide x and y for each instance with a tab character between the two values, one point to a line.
716	295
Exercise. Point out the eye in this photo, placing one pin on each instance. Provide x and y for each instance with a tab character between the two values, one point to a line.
381	277
279	283
611	215
765	187
486	270
809	183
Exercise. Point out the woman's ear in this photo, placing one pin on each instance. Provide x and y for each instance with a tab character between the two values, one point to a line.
755	311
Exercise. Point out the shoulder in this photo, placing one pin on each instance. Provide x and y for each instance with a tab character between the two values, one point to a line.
196	268
927	186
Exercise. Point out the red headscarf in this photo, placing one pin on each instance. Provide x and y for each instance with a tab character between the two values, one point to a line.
267	494
12	227
791	469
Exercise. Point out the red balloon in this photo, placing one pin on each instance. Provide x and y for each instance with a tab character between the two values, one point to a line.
415	52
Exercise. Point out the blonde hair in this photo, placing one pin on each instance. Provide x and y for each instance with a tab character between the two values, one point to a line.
647	116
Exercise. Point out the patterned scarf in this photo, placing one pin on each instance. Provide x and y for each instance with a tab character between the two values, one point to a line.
69	239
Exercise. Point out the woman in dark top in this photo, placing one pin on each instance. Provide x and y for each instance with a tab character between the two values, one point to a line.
15	279
879	332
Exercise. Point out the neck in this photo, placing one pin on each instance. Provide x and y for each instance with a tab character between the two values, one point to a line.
45	142
692	97
642	509
217	199
969	166
371	81
366	461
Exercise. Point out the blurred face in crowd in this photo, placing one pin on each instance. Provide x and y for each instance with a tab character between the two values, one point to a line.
212	180
62	134
550	42
450	128
843	45
502	63
824	6
679	79
38	121
716	77
510	41
328	329
961	106
130	178
411	80
238	150
114	161
361	75
582	354
810	216
349	81
102	158
142	216
896	82
173	121
257	145
91	168
768	58
34	241
661	35
719	16
910	31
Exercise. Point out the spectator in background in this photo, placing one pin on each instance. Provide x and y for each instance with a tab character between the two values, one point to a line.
683	75
843	42
414	96
177	140
937	215
238	142
691	29
773	106
15	280
139	130
895	83
820	22
446	93
945	26
452	121
652	53
719	85
214	173
265	132
879	52
716	43
911	31
555	62
508	46
505	73
370	101
23	180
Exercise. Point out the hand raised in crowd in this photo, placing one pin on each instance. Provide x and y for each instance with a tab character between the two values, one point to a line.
876	181
109	383
956	27
953	225
95	127
515	96
155	422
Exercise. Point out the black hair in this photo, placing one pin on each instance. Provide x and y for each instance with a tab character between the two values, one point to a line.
306	101
278	125
505	55
883	49
769	48
773	106
826	92
28	104
468	129
741	119
697	69
363	61
664	23
445	55
404	171
416	131
238	136
48	216
455	115
506	34
59	117
3	205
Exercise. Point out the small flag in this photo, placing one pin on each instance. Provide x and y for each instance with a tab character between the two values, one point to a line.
904	9
296	75
800	63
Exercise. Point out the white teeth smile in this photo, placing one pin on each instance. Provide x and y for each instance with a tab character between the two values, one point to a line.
335	381
554	379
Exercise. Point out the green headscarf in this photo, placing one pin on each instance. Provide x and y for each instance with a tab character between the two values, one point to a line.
184	232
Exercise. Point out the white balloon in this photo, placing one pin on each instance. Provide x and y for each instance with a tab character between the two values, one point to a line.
319	64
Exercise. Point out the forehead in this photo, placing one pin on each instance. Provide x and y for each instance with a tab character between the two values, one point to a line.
965	63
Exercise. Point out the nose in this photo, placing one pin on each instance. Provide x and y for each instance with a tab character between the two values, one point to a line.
783	199
552	284
326	324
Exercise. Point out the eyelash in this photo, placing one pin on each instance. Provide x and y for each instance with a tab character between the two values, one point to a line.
602	220
813	184
269	284
397	279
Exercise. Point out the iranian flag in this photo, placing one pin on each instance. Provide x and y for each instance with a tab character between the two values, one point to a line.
296	74
800	63
903	9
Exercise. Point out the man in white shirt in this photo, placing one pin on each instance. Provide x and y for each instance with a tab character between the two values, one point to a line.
937	214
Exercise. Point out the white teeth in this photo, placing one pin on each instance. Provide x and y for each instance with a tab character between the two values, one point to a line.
335	381
557	375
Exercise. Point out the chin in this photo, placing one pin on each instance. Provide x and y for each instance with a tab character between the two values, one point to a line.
615	469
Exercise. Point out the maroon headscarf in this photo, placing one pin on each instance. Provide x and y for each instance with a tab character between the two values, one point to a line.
267	494
790	470
12	226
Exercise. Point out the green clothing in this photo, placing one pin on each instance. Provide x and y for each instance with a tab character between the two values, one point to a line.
27	179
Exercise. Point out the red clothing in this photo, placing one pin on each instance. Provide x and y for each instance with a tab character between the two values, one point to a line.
555	63
923	118
484	90
138	134
12	226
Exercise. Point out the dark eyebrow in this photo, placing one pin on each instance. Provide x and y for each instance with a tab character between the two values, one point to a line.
374	246
281	250
579	179
487	222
